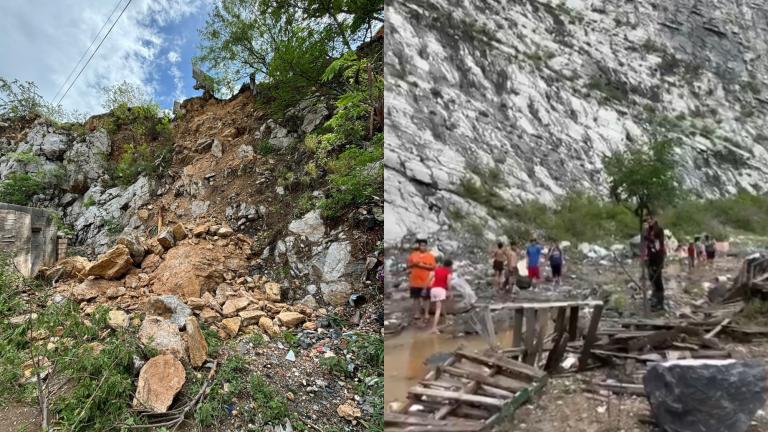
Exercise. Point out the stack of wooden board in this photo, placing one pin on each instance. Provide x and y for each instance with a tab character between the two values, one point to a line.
469	392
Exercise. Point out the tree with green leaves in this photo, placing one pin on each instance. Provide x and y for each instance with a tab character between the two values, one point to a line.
127	93
643	179
286	43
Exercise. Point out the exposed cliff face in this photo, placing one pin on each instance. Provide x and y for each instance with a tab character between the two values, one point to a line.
527	97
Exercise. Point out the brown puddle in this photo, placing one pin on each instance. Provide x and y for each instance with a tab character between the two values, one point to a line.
404	356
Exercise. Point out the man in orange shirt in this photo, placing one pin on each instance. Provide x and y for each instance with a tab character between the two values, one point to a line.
421	263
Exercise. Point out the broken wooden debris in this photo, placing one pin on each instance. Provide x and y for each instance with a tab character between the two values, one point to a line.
468	392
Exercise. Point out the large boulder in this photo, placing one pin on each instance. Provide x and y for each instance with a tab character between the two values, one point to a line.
135	248
291	319
188	270
273	291
162	335
91	288
233	306
166	239
169	307
198	348
73	267
159	381
705	395
112	265
231	326
336	293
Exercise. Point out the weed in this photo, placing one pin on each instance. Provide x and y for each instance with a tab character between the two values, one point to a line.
257	339
89	201
264	147
291	339
335	365
271	406
213	341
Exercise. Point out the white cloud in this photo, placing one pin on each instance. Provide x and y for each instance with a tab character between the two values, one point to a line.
174	57
41	41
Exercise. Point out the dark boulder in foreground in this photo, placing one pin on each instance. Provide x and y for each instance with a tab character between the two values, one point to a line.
705	395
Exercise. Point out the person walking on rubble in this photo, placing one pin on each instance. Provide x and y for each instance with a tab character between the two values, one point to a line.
556	260
499	260
420	263
691	255
709	249
509	280
533	253
654	255
440	288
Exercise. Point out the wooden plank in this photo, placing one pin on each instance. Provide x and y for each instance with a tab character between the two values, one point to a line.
555	354
653	340
404	419
530	332
469	389
506	364
457	396
517	328
495	392
484	379
447	428
590	338
539	305
717	329
573	323
620	388
467	411
542	318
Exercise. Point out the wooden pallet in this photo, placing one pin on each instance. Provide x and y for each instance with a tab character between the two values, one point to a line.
531	331
469	392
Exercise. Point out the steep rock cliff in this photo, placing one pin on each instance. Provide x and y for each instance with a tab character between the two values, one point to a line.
525	97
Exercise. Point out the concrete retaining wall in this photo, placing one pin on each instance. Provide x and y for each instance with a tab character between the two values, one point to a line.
30	235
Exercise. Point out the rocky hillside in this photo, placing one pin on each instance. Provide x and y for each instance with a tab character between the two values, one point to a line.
228	165
525	97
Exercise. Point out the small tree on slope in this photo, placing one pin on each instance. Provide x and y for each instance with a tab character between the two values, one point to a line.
644	179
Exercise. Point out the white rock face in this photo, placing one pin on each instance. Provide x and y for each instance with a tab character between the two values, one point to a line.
310	225
539	92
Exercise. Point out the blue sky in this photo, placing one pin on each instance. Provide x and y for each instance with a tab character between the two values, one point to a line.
152	45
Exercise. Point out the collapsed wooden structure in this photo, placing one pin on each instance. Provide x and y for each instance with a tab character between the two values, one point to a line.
471	392
751	282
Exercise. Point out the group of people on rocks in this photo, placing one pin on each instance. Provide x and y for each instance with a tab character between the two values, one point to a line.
701	250
505	263
430	281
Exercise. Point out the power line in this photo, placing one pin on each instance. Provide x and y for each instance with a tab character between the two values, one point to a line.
87	50
95	51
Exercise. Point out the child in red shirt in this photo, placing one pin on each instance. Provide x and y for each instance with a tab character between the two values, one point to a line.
440	283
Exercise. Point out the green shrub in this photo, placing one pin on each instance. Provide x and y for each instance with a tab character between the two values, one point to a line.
19	188
138	160
353	181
